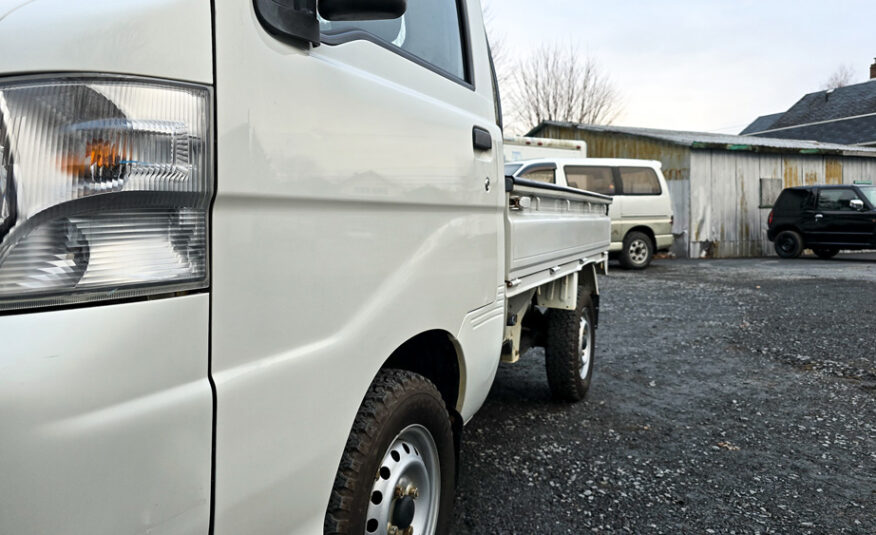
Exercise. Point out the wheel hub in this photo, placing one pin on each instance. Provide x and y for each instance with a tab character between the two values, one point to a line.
403	512
405	496
638	251
584	344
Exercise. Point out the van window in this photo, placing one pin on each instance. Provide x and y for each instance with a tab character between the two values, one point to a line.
639	181
548	175
590	178
430	31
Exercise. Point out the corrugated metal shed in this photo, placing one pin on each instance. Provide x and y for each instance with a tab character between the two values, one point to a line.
716	180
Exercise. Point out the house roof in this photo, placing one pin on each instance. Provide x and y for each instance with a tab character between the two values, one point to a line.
851	131
825	114
707	140
848	101
764	122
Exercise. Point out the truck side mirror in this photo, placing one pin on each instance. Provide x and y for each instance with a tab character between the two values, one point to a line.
296	21
856	204
357	10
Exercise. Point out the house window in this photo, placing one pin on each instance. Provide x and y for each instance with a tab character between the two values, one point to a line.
770	188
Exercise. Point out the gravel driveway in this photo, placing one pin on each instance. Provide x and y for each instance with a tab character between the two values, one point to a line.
734	396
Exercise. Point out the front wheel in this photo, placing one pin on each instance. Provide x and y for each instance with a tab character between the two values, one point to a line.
570	349
825	253
637	252
397	472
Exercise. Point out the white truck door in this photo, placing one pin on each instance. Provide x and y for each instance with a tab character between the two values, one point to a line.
353	211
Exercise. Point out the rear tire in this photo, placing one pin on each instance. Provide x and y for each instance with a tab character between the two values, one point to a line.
789	244
638	251
401	439
571	340
825	253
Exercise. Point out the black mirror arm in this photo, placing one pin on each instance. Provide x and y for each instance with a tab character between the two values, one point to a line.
292	21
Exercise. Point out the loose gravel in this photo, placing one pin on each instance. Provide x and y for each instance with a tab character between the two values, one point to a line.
733	396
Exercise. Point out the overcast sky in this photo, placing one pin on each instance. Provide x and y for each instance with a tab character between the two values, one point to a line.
701	65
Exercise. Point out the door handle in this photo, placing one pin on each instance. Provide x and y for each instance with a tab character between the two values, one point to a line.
818	216
481	138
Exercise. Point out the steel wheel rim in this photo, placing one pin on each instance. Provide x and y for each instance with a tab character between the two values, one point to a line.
787	244
410	470
584	344
638	251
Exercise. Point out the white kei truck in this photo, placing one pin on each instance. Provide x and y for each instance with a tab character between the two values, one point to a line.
259	262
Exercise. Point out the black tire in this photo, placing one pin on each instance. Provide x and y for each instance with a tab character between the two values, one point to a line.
638	251
825	253
789	244
564	361
396	402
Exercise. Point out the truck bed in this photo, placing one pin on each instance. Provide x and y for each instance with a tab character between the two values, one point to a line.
551	231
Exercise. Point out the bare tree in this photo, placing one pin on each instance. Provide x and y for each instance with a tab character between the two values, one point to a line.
560	83
843	76
498	49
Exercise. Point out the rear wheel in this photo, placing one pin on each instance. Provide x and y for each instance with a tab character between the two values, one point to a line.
825	252
570	349
789	244
637	252
397	472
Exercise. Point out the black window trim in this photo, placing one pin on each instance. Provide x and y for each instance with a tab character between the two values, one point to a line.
619	182
342	37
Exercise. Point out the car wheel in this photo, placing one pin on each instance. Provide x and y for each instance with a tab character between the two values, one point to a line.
637	251
789	244
571	344
398	468
825	252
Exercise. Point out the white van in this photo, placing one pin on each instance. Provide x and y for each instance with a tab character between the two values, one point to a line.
641	214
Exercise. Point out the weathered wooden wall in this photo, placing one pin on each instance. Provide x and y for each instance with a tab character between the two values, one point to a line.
725	195
716	193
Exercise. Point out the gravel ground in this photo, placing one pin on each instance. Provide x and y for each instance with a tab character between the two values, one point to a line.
734	396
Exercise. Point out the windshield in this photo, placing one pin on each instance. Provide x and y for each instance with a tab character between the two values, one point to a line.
870	193
511	168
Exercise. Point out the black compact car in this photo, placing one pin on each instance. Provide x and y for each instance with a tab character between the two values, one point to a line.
824	219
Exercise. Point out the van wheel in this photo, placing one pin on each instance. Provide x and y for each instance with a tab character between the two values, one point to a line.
637	252
399	464
825	252
789	244
571	340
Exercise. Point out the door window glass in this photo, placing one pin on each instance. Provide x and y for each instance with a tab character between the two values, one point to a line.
590	178
543	174
836	200
430	30
639	181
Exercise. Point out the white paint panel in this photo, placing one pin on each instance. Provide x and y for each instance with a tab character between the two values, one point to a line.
351	215
160	38
106	419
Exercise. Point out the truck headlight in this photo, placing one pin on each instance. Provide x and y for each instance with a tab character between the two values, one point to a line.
105	188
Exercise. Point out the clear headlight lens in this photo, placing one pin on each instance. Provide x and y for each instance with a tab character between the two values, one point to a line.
105	187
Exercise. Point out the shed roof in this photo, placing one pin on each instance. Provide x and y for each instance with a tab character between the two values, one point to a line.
707	140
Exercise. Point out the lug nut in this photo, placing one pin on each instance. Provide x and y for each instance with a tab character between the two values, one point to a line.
409	531
392	530
398	492
413	492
